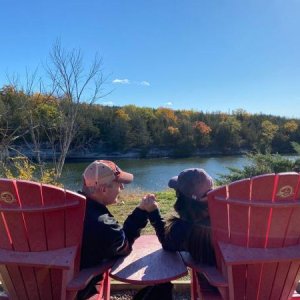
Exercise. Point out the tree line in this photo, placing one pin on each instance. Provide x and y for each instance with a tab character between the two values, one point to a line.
36	121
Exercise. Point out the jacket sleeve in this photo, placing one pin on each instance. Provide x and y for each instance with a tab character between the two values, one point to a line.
120	240
172	238
134	223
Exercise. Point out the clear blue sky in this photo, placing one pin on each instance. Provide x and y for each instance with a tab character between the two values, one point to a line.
209	55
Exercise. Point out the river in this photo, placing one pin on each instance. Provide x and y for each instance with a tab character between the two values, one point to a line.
153	174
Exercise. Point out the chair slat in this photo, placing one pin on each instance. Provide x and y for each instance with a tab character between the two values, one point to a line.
263	188
279	281
239	215
73	234
280	220
239	281
240	190
293	234
13	221
44	283
253	285
31	196
257	234
54	220
266	278
291	280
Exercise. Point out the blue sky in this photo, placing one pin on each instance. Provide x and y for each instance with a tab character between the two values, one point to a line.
208	55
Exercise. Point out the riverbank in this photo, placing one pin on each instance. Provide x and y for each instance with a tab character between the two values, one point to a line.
46	154
152	153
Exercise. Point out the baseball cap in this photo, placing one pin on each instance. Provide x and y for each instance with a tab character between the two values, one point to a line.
193	183
104	172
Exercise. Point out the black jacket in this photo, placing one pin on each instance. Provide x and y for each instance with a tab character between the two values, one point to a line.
104	237
185	235
174	239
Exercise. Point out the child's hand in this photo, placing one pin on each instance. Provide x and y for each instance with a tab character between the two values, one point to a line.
148	203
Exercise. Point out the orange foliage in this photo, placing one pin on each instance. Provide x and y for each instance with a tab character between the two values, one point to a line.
167	113
121	114
202	127
173	130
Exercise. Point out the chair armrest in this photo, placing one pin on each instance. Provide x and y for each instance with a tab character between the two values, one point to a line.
60	258
85	275
235	255
212	274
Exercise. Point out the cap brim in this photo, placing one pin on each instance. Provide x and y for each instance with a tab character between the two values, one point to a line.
124	177
173	182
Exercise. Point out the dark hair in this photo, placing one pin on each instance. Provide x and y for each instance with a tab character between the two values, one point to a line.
199	239
190	209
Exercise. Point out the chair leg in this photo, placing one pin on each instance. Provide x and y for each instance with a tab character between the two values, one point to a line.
194	285
106	286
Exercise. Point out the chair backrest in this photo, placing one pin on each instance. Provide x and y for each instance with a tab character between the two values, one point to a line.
261	212
38	218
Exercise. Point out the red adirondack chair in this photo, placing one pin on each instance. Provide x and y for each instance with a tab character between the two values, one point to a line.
256	236
40	238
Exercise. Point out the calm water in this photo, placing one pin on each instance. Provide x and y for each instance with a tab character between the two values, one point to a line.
153	174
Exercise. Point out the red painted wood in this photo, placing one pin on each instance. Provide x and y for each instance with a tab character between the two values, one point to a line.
272	220
240	190
291	280
17	232
15	276
35	218
219	222
292	235
148	263
239	224
44	283
238	283
286	187
262	188
74	216
54	220
253	284
279	281
236	255
268	273
12	220
59	259
55	231
297	192
213	276
7	281
30	196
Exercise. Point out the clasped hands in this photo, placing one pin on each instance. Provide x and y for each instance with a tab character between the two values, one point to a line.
148	203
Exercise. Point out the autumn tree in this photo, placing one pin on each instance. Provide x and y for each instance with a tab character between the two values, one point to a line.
202	134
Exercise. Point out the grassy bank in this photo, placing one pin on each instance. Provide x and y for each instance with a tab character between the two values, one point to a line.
129	200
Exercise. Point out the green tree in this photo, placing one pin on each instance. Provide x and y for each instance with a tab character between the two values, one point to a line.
227	134
266	136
